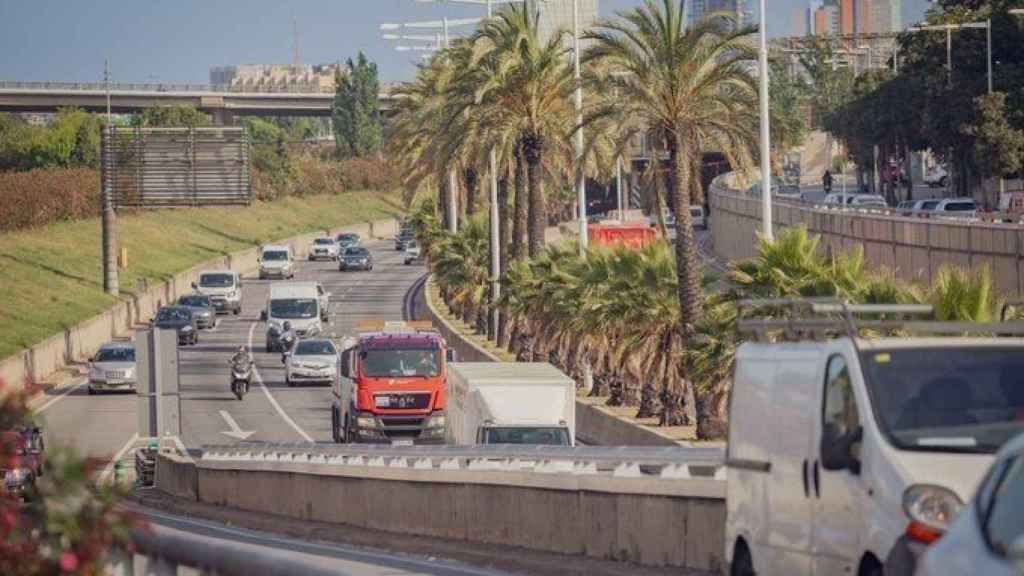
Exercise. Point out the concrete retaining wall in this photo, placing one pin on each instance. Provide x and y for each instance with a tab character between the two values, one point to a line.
646	520
177	476
79	342
914	248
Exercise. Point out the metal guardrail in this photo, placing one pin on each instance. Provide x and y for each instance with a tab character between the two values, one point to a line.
617	461
173	87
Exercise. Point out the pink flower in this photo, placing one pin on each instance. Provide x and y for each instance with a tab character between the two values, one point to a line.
68	562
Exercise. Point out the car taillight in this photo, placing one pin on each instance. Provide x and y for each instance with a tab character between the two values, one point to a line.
922	533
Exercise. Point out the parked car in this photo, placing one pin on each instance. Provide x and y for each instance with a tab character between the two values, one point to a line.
20	473
936	176
276	262
179	318
113	367
356	258
412	252
843	451
347	240
910	207
987	537
959	207
224	287
867	201
697	217
202	309
313	361
323	249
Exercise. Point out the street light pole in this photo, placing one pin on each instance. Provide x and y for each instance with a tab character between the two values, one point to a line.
766	174
581	192
108	218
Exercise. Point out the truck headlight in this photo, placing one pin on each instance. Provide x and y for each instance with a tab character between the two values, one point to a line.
436	421
368	422
931	510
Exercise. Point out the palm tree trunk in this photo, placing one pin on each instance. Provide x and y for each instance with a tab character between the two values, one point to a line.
505	240
443	194
712	411
519	222
470	179
538	220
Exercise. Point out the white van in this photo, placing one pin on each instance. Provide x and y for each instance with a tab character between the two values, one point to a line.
297	303
276	262
847	454
224	287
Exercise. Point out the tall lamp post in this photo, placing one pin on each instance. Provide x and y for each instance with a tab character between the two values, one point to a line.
766	164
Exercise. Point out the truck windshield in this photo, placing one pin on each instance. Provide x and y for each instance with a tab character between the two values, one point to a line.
964	399
216	280
407	362
293	308
275	255
539	436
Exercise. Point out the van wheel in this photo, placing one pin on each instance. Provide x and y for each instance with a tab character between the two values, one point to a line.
742	563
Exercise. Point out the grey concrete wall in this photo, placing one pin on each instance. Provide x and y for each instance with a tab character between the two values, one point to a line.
914	248
654	522
79	342
177	476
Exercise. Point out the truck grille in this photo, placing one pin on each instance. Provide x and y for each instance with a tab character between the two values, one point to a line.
402	401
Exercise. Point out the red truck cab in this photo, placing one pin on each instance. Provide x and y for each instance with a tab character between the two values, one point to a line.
392	389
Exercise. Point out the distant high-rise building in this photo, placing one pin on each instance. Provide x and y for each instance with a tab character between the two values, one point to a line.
862	17
557	15
274	77
826	20
741	10
885	16
846	16
798	23
812	8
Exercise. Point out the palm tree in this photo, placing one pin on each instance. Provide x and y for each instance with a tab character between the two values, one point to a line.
461	266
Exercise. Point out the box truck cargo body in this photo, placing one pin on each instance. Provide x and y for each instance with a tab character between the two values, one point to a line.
510	403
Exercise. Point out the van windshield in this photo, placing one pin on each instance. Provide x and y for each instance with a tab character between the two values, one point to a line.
965	399
216	280
275	255
539	436
293	308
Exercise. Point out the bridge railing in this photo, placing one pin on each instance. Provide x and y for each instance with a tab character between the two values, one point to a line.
617	461
171	87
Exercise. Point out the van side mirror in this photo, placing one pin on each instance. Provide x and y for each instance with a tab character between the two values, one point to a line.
449	355
841	451
194	287
263	315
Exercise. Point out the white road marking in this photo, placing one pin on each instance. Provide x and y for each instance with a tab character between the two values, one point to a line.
236	430
273	401
109	470
53	401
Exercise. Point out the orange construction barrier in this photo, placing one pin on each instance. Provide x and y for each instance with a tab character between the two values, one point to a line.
632	235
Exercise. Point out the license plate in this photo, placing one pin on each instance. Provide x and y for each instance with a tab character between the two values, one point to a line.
403	442
115	381
382	401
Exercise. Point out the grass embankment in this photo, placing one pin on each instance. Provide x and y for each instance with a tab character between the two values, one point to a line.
51	277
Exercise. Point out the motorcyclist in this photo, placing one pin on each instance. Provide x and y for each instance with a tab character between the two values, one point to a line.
242	358
826	181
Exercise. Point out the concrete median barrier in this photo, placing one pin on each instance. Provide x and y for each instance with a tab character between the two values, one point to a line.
646	520
79	342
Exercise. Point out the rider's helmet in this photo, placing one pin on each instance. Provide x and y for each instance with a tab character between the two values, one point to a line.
287	325
241	349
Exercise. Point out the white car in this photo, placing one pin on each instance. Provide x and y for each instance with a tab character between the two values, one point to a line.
276	262
936	176
956	207
844	452
313	361
325	248
868	201
113	367
988	536
697	217
413	251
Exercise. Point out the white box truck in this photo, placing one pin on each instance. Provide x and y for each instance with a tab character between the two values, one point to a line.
510	403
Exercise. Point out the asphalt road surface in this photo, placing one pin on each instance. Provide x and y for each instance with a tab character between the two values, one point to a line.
105	425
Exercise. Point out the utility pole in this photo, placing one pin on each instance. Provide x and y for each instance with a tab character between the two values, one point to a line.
108	220
581	193
766	165
495	245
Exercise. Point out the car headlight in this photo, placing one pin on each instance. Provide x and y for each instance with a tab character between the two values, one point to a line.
16	476
96	373
933	506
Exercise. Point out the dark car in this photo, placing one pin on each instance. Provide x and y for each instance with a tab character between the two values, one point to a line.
347	240
179	318
403	239
356	258
202	308
22	454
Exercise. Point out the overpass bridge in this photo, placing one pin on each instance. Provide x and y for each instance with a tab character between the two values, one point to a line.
222	102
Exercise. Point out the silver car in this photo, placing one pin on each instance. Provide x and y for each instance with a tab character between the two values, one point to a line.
113	367
313	361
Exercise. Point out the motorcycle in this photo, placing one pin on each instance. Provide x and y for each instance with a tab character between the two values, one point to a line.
241	375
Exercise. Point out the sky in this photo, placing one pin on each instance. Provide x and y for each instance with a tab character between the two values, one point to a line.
180	40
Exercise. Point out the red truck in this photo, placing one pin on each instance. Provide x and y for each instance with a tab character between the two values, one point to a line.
392	389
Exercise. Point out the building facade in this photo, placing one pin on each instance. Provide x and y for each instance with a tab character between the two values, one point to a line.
557	15
741	10
885	16
275	77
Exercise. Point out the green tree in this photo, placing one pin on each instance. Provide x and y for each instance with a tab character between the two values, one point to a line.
789	100
999	146
356	110
171	116
693	86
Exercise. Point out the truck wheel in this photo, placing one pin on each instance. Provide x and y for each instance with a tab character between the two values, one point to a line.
237	311
742	563
335	436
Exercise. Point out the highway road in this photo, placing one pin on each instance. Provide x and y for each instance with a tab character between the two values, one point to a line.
104	425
